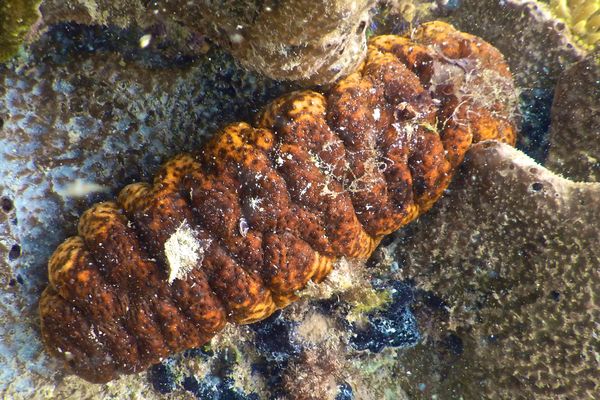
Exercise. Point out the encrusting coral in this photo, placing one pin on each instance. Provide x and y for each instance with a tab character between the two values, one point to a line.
512	252
265	210
575	129
312	41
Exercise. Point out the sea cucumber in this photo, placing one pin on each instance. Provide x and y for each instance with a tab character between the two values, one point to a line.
232	233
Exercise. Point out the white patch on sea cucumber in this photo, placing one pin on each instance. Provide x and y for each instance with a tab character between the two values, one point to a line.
184	251
376	114
244	227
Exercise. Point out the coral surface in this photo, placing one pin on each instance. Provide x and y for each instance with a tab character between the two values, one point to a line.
265	210
287	40
513	253
575	129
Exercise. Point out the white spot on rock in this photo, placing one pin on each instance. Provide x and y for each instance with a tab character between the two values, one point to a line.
145	41
80	188
236	38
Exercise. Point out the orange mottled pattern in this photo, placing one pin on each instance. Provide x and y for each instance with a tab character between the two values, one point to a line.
318	177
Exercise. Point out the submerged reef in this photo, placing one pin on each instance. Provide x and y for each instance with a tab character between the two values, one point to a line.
514	262
62	74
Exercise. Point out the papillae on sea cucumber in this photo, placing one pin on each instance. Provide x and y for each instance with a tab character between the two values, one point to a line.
232	232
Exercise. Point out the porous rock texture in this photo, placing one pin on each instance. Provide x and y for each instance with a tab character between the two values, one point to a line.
313	41
306	40
513	252
575	128
269	208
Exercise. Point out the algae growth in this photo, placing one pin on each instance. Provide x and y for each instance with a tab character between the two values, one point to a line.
16	18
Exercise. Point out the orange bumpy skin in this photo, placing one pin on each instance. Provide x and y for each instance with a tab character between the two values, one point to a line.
231	233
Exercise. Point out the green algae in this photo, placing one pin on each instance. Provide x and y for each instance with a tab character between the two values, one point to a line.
16	17
371	300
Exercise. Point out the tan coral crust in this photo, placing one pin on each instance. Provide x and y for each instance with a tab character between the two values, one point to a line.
321	176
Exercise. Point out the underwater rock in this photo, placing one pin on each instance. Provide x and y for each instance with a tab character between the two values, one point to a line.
345	392
393	325
168	26
512	251
312	41
275	338
162	378
314	376
316	42
575	129
536	42
215	388
535	105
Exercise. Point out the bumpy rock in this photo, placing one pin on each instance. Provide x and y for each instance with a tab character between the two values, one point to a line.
303	40
265	210
575	130
512	252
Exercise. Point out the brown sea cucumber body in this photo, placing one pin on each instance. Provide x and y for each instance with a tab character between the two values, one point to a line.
261	210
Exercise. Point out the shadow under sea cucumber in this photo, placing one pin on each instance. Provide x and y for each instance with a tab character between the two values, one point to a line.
234	231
